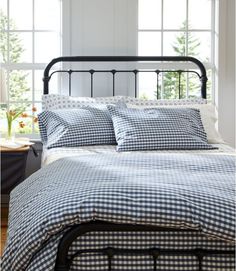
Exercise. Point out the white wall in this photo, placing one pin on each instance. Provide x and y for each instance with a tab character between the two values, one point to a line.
100	27
226	71
107	27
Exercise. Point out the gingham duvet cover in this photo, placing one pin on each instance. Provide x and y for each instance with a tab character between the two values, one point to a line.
190	191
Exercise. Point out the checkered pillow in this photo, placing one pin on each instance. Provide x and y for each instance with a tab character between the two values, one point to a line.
158	129
88	125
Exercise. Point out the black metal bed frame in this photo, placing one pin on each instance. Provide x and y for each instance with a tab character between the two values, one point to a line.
63	262
202	76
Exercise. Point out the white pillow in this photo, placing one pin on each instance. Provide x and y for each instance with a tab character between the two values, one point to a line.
57	101
159	102
208	116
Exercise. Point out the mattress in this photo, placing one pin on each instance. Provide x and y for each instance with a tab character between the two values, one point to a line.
51	155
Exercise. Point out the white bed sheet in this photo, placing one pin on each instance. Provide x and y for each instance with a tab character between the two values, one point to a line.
54	154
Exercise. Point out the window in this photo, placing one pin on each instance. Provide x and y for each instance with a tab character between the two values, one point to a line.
181	28
30	36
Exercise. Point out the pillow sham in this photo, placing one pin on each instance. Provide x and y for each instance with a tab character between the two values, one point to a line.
88	125
57	101
208	116
158	129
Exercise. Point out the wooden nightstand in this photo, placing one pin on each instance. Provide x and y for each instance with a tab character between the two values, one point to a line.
13	164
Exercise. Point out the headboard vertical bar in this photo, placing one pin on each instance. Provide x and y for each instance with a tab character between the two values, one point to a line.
157	73
135	84
179	73
70	72
91	82
113	82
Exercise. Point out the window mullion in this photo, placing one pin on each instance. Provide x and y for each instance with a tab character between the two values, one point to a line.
213	70
186	44
162	43
8	54
33	60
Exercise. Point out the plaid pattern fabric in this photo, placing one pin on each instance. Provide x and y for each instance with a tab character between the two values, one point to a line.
208	114
50	155
190	191
139	240
158	129
88	125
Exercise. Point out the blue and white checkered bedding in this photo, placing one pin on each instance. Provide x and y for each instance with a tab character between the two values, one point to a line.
187	191
88	125
158	129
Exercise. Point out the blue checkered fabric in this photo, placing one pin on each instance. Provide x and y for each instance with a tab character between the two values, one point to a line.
139	240
181	191
87	125
158	129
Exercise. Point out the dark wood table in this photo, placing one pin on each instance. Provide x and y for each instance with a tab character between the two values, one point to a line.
13	164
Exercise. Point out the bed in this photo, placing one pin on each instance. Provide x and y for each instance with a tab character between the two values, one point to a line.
96	208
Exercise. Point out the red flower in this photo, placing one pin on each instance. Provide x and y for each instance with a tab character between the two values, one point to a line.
21	124
24	115
34	109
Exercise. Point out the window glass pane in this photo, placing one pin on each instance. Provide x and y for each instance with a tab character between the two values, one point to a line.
209	85
3	14
20	47
3	35
25	122
200	14
148	85
171	85
174	43
38	85
194	85
149	14
54	83
199	45
20	84
174	14
38	106
47	14
3	46
3	124
47	46
149	43
20	14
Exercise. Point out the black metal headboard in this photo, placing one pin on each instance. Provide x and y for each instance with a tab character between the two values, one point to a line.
47	75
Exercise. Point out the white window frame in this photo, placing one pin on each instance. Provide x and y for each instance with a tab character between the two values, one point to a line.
31	66
214	41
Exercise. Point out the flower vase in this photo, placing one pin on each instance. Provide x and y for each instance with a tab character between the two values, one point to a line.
10	135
